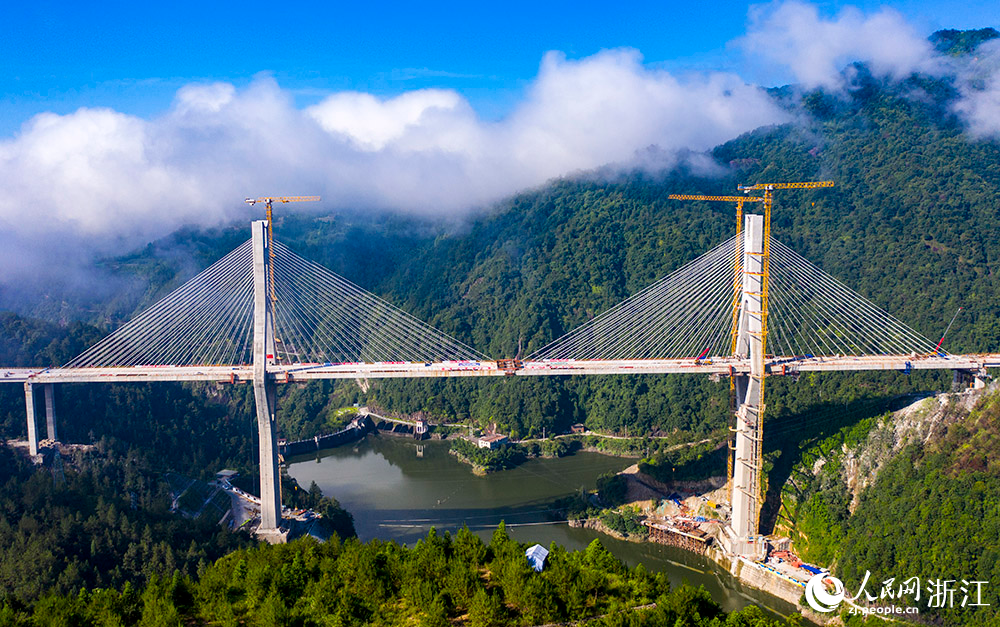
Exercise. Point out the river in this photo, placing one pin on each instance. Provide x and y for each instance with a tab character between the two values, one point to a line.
398	489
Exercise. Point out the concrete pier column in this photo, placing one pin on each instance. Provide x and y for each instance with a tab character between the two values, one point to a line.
50	411
970	379
30	390
263	387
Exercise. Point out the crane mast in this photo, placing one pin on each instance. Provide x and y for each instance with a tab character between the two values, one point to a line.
268	201
749	339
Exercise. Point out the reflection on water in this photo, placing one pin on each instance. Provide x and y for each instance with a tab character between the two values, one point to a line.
398	489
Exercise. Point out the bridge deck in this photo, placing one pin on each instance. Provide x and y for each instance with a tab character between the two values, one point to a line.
307	372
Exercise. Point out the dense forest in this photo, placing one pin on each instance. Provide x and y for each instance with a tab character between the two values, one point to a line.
441	580
932	511
102	521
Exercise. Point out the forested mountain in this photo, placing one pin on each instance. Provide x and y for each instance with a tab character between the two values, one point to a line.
915	493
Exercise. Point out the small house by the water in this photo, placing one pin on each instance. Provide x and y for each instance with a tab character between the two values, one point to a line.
578	428
492	441
420	429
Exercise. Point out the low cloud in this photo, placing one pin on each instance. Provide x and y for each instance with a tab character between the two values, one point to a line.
100	181
816	49
979	106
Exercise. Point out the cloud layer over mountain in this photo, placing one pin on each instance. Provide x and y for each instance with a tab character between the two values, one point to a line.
98	181
816	49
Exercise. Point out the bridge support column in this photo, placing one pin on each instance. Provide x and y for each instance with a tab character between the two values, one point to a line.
264	390
966	379
29	403
270	479
50	411
749	391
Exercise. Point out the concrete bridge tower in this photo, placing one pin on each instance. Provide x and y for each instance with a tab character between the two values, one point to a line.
264	388
750	343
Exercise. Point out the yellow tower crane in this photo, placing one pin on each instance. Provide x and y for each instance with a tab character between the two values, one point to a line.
268	200
768	200
739	200
737	289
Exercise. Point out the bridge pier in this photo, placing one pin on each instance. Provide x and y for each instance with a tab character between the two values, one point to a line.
264	391
975	379
30	398
29	403
50	411
267	443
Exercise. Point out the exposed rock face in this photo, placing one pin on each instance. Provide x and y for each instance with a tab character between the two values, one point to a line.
921	421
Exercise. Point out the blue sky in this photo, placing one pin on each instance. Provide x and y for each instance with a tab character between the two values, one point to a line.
122	121
133	56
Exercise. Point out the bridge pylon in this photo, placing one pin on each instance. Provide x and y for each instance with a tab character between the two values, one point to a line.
751	330
264	388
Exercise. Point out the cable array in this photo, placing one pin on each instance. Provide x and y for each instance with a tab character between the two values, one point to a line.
321	317
685	314
688	314
206	321
811	313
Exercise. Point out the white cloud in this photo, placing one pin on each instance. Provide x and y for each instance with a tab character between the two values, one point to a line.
816	49
204	98
602	109
97	180
980	85
373	124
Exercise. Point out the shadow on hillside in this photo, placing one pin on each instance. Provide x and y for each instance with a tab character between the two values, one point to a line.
789	436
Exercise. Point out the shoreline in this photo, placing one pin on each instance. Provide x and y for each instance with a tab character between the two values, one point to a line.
745	573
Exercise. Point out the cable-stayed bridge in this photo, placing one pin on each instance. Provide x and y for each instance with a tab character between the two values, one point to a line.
748	309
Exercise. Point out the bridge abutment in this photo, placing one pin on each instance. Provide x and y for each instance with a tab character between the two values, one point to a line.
974	379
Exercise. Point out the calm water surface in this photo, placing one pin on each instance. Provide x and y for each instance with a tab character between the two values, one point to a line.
398	489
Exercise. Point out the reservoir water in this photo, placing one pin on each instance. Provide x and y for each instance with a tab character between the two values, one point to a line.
397	489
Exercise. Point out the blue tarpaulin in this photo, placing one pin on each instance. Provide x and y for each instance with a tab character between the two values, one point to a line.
536	556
